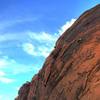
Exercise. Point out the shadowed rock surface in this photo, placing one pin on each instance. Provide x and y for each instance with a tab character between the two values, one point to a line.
72	70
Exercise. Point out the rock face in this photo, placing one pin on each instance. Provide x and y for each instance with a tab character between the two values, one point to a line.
72	70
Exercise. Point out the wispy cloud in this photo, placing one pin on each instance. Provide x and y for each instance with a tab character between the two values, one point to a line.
3	76
44	40
4	79
42	36
2	73
44	43
36	51
15	67
6	37
8	23
9	67
42	50
3	63
66	26
29	48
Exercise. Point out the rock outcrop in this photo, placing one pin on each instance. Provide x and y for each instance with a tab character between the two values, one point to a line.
72	70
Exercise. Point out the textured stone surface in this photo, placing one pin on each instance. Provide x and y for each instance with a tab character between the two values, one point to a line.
72	70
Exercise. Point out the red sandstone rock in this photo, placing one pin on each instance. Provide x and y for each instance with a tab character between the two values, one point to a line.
72	70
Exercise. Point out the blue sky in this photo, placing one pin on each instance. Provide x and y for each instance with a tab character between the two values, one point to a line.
28	32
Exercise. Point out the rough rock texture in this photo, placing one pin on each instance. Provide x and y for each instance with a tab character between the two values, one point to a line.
72	70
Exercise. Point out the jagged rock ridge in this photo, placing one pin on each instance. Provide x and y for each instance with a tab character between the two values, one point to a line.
72	70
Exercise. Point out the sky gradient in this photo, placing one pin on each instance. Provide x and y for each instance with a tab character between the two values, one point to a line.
28	32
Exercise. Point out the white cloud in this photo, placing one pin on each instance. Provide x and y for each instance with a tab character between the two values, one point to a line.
44	51
37	51
66	26
42	36
3	77
6	80
14	67
45	41
2	73
5	37
29	48
8	23
3	63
